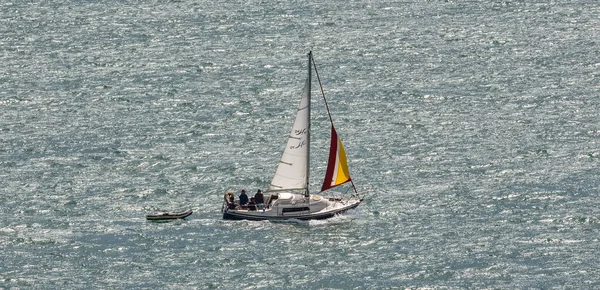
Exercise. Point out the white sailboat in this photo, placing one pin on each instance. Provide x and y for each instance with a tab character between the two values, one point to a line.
288	195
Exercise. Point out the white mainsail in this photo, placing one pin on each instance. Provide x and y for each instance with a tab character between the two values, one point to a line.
292	171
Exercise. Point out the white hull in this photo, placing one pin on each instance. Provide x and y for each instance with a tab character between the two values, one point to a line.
285	206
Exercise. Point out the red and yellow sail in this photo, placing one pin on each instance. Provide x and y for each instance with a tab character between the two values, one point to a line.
337	166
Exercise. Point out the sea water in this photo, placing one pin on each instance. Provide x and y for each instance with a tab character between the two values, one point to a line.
471	129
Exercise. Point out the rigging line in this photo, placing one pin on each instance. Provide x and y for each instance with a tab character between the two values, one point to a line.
329	112
322	91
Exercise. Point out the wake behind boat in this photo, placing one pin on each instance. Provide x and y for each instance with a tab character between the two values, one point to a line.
288	196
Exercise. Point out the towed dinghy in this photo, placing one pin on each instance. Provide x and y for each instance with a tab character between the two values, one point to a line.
169	215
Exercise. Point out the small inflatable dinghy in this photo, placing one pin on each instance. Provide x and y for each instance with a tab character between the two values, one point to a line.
169	215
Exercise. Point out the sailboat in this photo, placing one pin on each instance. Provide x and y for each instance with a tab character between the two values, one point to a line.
288	195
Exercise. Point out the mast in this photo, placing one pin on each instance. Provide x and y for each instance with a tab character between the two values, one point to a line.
307	193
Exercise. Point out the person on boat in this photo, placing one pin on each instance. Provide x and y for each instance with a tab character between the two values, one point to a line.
243	199
230	199
259	200
252	204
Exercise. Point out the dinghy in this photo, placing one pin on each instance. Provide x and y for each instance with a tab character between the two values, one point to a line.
169	215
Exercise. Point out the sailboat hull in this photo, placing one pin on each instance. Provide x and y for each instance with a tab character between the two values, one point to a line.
274	215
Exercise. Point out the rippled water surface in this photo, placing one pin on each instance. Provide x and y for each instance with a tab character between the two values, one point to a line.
471	128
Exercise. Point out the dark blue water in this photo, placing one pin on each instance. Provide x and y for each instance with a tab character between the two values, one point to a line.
470	127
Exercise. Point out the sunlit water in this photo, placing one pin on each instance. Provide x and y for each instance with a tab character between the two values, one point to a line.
471	129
